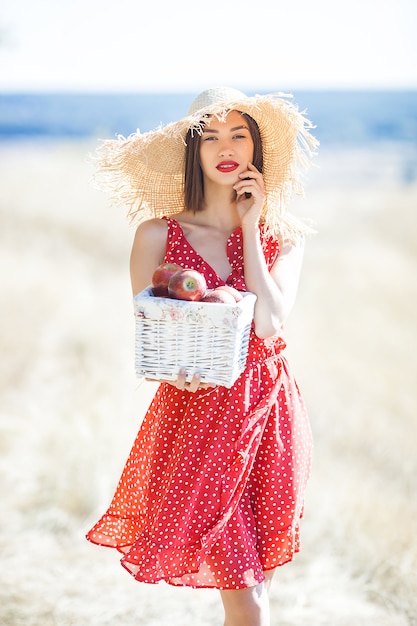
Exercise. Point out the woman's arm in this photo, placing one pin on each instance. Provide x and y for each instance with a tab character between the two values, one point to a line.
148	251
276	290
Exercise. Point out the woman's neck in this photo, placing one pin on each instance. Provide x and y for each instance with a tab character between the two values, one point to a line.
220	206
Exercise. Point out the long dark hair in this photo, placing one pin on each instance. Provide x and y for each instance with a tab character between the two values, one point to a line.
193	175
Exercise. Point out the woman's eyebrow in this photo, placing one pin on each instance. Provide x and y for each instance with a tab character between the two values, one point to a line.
232	130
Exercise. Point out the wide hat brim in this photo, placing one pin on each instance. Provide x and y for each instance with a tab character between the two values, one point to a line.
145	171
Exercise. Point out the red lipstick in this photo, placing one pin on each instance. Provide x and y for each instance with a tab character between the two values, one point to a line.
227	166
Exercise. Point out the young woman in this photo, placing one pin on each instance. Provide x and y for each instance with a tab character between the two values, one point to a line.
213	490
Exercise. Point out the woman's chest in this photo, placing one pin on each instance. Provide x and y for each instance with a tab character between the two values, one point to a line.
207	245
213	248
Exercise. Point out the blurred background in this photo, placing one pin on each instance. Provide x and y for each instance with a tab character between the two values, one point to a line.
70	405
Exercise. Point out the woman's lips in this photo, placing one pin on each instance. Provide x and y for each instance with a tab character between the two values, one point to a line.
227	166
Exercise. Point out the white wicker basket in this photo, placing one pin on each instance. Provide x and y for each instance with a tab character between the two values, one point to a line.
205	337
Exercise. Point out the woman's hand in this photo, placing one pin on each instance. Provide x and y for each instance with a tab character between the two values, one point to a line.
251	195
194	385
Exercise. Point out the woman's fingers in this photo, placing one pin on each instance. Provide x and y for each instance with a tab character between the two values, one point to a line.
194	384
181	380
181	383
251	183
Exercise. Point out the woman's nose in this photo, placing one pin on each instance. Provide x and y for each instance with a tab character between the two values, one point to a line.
225	149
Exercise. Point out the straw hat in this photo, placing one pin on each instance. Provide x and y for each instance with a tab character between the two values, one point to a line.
145	171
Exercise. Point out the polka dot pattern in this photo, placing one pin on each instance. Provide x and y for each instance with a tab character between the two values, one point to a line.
212	492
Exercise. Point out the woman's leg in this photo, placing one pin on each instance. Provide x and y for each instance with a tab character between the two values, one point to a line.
268	578
246	607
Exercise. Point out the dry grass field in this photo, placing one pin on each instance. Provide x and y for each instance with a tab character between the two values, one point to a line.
70	404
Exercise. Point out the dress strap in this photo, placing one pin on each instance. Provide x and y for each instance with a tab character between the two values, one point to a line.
174	234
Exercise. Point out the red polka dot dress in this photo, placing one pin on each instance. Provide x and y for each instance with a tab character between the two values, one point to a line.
212	492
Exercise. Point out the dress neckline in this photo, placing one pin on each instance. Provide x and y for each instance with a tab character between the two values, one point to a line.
233	234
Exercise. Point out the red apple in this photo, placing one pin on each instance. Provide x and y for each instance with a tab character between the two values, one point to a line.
235	293
187	284
161	277
219	295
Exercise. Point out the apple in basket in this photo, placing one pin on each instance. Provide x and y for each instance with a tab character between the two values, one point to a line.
235	293
220	296
161	277
187	284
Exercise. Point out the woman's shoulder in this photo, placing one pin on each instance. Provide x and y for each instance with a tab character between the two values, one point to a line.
151	235
155	227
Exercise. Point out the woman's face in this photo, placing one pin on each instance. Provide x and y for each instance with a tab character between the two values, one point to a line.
226	148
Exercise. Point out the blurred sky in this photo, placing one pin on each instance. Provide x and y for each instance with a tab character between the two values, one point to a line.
165	45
